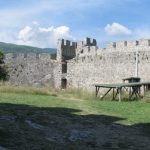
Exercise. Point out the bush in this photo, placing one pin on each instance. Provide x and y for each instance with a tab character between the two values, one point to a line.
1	57
3	68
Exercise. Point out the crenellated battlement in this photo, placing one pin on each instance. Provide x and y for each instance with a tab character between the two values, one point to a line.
125	46
130	45
86	47
66	43
87	42
90	42
28	56
65	49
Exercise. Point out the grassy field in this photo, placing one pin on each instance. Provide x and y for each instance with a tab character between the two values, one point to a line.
40	119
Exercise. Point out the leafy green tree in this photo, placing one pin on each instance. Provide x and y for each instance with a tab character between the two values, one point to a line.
3	69
1	57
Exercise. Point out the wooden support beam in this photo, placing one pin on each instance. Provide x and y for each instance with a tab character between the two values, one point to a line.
113	94
134	89
119	94
106	93
97	90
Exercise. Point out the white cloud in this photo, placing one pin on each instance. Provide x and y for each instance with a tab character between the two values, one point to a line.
42	37
25	34
117	29
62	31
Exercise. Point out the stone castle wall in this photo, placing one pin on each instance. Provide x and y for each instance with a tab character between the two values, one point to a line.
81	64
109	65
85	71
32	69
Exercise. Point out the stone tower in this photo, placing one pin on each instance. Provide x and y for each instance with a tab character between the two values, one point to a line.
66	50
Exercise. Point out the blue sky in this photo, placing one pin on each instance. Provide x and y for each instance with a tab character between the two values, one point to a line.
41	22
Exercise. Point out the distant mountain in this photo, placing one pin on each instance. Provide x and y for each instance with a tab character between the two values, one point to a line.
13	48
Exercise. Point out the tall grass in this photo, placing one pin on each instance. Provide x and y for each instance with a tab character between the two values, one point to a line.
67	93
78	93
6	88
146	97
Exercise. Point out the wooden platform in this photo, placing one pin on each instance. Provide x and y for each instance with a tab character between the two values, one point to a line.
133	89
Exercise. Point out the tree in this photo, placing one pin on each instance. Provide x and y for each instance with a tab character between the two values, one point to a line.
3	69
1	57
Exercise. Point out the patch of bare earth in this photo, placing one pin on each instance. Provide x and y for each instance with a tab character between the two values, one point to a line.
24	127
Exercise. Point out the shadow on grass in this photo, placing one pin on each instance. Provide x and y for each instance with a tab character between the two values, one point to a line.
24	127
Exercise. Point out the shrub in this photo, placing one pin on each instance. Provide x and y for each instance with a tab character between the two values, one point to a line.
3	68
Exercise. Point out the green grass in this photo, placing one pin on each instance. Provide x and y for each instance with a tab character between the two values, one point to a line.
40	118
132	112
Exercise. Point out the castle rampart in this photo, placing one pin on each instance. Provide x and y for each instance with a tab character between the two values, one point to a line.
85	71
28	56
108	65
81	64
143	44
124	46
31	69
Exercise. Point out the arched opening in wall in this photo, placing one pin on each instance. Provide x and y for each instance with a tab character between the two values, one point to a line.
63	83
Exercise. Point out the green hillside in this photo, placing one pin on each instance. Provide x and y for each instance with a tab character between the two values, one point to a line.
13	48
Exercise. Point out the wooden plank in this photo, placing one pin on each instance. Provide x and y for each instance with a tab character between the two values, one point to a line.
134	89
119	85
